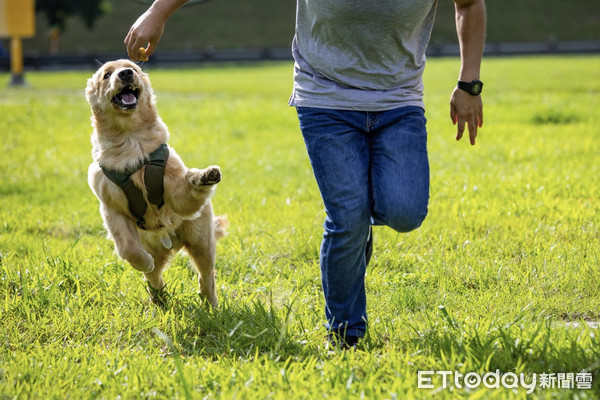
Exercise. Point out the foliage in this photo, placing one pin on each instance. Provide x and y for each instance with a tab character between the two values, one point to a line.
189	3
58	11
265	24
503	275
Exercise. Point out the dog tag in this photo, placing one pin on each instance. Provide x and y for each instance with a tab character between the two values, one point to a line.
166	241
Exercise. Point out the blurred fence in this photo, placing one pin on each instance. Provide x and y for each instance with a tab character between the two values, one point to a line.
176	59
522	48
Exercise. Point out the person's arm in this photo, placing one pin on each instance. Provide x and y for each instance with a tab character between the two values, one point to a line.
470	28
149	27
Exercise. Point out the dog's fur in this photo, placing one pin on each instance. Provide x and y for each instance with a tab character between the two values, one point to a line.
126	131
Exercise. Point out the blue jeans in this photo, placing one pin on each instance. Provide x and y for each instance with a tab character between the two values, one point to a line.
372	169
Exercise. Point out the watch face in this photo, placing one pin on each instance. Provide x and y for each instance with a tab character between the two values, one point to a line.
474	87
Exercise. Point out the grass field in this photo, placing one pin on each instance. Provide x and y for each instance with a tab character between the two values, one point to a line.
504	275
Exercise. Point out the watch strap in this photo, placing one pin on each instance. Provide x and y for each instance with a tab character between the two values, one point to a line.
473	88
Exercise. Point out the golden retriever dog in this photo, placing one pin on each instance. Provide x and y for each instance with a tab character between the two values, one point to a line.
151	203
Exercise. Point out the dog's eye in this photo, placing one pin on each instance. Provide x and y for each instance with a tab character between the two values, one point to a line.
107	75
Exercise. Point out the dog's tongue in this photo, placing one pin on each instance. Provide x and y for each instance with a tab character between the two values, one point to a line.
128	98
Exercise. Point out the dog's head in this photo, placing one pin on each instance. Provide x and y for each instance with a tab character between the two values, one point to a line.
119	87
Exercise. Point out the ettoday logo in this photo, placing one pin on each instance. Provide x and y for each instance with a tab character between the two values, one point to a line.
508	380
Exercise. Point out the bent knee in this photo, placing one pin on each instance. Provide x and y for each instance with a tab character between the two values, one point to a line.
405	221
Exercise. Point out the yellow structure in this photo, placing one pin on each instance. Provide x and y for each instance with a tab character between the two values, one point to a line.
17	21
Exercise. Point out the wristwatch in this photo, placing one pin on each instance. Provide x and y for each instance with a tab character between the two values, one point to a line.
473	88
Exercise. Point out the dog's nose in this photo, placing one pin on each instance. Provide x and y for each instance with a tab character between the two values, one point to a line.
126	75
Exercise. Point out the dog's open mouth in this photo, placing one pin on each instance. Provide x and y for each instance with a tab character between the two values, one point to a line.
127	98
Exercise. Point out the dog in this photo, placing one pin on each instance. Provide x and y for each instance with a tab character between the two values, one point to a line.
152	205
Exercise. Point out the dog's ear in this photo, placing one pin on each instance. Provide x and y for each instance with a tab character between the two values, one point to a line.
91	91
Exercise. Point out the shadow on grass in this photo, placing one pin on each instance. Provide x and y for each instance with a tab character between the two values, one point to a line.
524	344
241	330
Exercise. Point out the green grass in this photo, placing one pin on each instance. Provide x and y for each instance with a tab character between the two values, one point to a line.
503	275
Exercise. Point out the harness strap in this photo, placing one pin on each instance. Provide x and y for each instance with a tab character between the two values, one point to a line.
154	174
153	180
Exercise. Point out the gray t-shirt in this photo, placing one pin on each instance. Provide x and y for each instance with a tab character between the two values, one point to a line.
364	55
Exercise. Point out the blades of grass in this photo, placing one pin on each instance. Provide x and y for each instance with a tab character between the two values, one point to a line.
178	363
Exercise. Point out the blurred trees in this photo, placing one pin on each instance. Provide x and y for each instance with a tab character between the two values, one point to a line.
58	11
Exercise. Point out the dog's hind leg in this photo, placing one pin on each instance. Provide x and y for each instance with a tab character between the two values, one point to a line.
204	261
161	259
200	244
156	284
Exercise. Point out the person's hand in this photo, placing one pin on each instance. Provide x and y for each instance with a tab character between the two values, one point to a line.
466	109
145	32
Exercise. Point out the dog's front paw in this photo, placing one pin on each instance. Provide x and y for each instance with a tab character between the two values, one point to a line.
205	177
137	257
143	263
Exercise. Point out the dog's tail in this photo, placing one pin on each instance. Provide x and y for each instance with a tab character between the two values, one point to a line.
221	223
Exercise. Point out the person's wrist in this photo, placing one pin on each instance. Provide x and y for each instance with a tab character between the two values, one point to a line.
468	76
473	87
163	9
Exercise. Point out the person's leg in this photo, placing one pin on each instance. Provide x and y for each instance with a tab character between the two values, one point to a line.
400	168
339	153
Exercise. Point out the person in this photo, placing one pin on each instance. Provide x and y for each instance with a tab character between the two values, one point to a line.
358	92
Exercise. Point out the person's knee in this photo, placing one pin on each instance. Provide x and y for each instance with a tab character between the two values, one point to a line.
411	222
404	219
349	222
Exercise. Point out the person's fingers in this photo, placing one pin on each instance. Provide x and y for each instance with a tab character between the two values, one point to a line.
150	49
472	131
460	128
132	45
453	116
126	43
466	113
136	51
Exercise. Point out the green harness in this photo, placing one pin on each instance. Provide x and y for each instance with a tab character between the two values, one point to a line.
153	180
